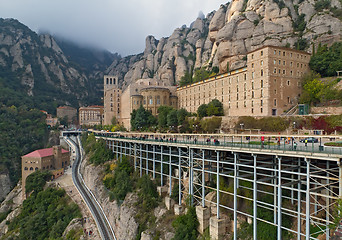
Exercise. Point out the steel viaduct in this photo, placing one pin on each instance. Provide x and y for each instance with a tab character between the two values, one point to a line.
300	183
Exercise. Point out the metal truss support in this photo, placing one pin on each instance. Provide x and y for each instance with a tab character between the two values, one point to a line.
161	166
154	162
179	177
307	212
203	179
255	198
218	184
279	198
170	171
235	194
299	202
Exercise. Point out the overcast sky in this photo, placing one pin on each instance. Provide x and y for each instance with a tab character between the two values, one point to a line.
118	26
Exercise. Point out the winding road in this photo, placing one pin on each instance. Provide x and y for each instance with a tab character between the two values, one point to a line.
94	206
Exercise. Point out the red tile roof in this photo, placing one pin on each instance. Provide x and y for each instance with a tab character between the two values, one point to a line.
43	153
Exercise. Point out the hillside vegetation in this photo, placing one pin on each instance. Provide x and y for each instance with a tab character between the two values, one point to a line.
45	213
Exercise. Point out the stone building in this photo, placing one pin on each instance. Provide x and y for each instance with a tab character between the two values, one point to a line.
91	115
54	159
146	92
69	112
267	86
111	99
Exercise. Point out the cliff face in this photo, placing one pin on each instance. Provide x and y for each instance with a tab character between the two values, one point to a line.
37	65
121	217
226	35
5	185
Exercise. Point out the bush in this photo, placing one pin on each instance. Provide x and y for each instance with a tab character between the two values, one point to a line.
211	125
45	215
272	124
36	181
186	226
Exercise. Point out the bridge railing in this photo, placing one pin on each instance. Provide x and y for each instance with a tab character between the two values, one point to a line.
239	143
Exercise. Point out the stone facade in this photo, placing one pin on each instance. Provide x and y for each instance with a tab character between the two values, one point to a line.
146	92
111	99
69	112
267	86
91	115
54	159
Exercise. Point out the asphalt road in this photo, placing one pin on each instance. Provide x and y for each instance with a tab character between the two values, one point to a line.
101	220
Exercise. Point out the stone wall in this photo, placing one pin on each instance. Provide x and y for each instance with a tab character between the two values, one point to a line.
327	110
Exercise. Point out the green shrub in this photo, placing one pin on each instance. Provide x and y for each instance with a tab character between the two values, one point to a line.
45	215
186	226
36	181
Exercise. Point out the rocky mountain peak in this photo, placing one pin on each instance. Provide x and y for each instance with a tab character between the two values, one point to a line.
225	36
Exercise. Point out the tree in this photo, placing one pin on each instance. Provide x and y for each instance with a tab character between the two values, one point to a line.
172	119
142	119
114	121
202	110
201	74
215	108
163	111
181	115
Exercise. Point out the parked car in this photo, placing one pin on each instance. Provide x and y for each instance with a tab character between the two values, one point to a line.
310	140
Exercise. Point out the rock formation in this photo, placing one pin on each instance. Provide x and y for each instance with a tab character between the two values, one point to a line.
225	36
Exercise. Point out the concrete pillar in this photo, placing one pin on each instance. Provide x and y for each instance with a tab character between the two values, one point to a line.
217	228
178	209
169	203
203	216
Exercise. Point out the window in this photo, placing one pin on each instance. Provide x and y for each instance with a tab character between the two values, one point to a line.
275	91
252	75
245	87
244	95
261	62
279	61
237	96
274	62
252	104
275	70
252	65
288	100
274	52
252	56
252	110
261	102
291	73
262	53
237	104
262	72
260	110
252	85
284	54
252	94
291	64
284	63
275	102
284	71
245	76
262	84
288	82
244	104
279	71
261	93
237	88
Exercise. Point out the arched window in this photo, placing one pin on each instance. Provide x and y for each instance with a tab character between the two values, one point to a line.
114	81
36	169
25	168
158	100
150	100
31	168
